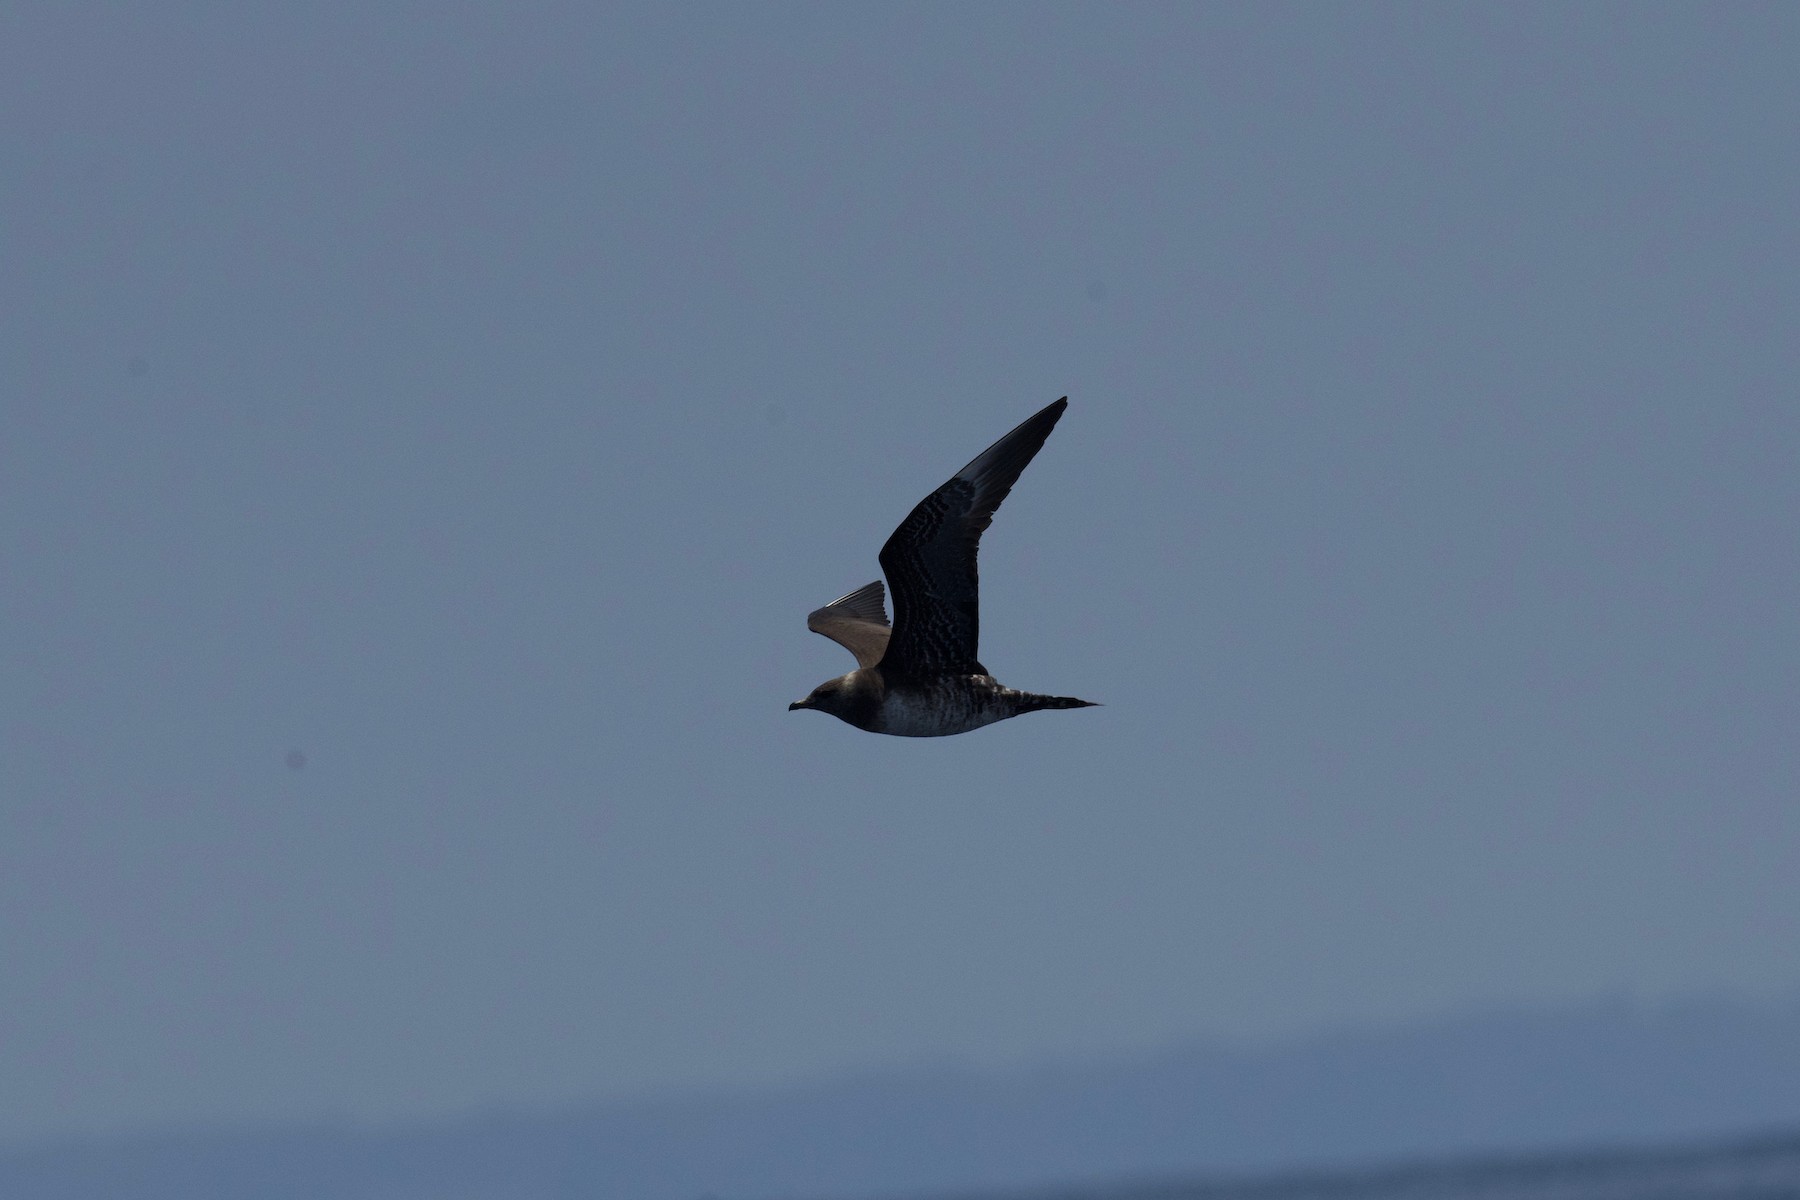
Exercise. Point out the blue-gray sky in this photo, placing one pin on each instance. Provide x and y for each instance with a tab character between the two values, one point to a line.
425	430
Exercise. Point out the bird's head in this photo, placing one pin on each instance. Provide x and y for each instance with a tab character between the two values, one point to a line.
853	698
827	697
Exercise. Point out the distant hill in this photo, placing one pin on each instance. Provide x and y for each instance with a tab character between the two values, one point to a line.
1604	1074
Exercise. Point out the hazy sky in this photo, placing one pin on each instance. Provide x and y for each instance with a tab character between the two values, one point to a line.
426	428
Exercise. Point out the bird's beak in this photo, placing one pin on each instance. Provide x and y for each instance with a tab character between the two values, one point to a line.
798	704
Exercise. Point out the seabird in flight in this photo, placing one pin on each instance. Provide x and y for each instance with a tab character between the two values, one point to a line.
920	677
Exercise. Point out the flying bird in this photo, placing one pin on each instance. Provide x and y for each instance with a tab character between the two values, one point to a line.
920	677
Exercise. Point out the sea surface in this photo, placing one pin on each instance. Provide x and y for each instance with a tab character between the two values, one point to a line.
1763	1169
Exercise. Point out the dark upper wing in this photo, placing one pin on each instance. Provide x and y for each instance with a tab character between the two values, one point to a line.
857	622
930	559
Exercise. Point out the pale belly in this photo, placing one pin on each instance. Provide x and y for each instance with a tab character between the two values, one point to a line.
943	711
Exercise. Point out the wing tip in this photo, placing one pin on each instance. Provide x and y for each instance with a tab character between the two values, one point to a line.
868	603
1001	464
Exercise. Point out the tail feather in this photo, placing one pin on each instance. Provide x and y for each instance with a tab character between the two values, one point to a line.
1034	702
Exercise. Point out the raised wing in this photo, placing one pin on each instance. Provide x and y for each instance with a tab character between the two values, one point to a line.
857	622
930	559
